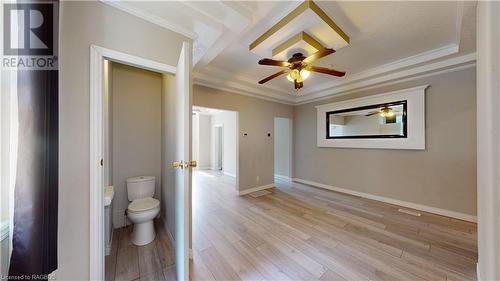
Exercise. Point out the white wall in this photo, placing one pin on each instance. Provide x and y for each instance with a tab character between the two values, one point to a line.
282	147
83	23
228	121
255	119
202	140
488	139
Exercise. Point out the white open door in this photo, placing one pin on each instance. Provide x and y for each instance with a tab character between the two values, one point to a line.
182	164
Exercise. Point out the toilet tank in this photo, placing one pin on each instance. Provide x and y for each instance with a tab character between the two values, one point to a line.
140	187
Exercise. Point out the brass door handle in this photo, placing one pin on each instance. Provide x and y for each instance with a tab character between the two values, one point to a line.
184	165
178	164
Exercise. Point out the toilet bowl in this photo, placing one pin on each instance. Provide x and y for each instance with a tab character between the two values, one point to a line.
143	208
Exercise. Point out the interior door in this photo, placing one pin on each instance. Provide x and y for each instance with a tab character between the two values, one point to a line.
182	166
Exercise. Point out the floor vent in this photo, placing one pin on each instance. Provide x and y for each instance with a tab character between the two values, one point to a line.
259	193
410	212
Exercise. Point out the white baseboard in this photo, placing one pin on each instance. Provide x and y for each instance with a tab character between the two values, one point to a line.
169	234
229	174
429	209
478	272
107	250
204	168
119	219
253	189
282	178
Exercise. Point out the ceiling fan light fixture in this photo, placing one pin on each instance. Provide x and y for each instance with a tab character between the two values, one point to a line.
387	112
304	73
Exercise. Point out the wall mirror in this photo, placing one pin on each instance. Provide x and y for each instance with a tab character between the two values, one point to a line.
391	120
385	120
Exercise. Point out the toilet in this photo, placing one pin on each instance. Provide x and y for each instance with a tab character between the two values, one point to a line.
143	208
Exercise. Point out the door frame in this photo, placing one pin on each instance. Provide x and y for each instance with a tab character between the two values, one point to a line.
97	56
220	143
290	149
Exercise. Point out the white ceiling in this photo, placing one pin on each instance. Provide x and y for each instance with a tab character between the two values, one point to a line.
389	41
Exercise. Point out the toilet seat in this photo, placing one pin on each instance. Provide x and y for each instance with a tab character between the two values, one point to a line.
143	204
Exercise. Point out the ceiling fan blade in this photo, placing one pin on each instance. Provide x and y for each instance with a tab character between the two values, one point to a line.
273	76
319	54
274	62
372	113
325	70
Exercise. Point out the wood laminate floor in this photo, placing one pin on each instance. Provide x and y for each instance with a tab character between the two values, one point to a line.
152	262
297	232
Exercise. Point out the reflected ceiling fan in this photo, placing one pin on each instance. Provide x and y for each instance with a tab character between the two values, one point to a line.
299	67
384	112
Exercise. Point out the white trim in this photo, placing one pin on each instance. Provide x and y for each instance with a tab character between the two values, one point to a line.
241	86
229	174
429	209
4	230
204	168
108	247
96	251
119	219
478	272
169	234
282	178
97	56
120	5
254	189
135	61
392	82
458	22
415	139
388	67
393	76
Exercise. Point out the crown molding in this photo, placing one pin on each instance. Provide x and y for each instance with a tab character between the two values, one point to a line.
388	67
385	84
123	6
241	87
412	66
392	76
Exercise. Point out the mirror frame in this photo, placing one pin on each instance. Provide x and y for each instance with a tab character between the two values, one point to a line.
405	120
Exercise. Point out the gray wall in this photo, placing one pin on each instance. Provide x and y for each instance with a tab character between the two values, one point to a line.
81	24
108	123
282	146
136	131
256	118
442	176
168	117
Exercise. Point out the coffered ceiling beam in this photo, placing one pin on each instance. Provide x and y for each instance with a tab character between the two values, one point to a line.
308	4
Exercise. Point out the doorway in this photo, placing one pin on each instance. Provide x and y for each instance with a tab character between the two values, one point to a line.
283	149
176	160
215	141
219	147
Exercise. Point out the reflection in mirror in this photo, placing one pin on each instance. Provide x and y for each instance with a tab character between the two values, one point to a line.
386	120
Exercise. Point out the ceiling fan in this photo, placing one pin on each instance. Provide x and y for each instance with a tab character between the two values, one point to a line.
384	112
299	67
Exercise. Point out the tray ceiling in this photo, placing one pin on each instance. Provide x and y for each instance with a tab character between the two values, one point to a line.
388	40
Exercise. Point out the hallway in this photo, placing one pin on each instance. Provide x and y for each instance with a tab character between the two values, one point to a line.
297	232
